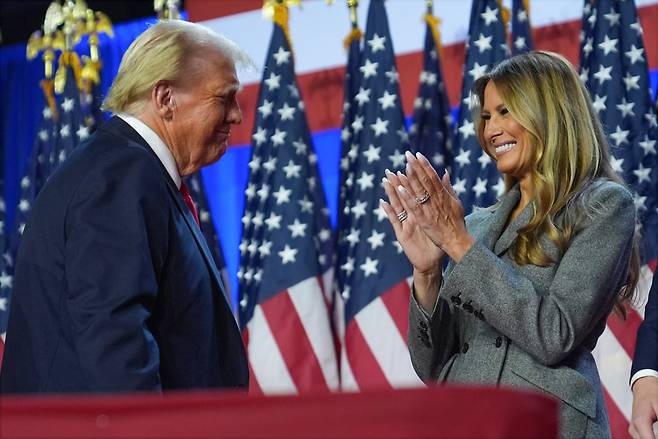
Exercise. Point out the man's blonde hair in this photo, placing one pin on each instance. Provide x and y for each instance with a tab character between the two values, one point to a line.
163	52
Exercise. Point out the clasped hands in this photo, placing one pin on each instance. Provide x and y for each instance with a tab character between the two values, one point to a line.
426	214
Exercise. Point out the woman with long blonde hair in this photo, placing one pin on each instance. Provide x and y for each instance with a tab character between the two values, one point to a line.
532	279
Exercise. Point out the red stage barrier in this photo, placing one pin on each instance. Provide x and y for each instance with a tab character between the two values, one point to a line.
448	412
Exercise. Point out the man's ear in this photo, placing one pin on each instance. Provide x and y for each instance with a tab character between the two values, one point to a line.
163	98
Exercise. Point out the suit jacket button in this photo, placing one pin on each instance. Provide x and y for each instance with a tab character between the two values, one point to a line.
468	307
465	348
499	342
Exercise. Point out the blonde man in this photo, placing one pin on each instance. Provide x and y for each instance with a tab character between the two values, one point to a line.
115	288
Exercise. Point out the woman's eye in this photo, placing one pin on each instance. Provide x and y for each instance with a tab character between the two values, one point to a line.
504	111
485	116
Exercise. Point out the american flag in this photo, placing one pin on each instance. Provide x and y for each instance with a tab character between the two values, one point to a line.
62	128
5	275
475	177
32	181
521	30
349	149
286	247
198	193
613	65
373	283
73	128
431	130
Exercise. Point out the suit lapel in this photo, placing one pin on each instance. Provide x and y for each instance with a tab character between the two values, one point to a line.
198	237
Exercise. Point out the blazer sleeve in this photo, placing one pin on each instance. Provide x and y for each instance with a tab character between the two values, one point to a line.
116	236
551	325
432	341
646	347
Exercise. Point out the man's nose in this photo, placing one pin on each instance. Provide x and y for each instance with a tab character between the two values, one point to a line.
235	114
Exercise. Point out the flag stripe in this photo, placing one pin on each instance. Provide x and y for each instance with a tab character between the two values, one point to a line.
396	301
625	331
305	298
269	368
614	366
618	422
254	388
387	344
365	369
292	339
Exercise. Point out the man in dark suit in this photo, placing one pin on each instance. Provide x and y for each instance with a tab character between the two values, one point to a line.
644	373
115	288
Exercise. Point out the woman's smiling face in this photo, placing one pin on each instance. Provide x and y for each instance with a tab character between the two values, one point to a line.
506	140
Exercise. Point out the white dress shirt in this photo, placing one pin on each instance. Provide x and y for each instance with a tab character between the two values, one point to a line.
157	145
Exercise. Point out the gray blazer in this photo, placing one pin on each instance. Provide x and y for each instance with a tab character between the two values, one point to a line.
498	323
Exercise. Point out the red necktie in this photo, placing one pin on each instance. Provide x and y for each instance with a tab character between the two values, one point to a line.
185	192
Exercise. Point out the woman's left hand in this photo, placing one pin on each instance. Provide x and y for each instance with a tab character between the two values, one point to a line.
435	206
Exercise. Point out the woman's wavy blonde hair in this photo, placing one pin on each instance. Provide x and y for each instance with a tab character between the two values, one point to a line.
164	52
570	152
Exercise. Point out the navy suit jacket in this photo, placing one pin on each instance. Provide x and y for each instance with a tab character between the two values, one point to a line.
646	345
115	288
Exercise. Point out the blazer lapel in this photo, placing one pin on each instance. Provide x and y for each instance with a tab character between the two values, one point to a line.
492	227
511	231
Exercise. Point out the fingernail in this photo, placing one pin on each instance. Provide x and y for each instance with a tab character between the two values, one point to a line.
384	180
401	189
386	171
420	156
409	155
408	168
381	201
400	174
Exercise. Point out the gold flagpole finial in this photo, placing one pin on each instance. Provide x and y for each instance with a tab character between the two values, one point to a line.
355	33
352	5
277	11
48	40
167	9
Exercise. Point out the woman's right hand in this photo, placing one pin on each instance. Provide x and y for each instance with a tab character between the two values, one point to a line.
424	255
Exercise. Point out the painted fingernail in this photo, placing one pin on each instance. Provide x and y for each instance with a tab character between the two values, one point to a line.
384	180
420	156
401	189
409	155
386	171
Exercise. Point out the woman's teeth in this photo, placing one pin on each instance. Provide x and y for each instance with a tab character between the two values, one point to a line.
500	149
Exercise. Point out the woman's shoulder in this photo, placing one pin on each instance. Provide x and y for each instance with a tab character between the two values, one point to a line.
608	194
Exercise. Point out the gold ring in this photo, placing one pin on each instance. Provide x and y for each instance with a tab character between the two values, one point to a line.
423	199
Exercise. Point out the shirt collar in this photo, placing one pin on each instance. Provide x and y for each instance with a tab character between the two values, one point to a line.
157	145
